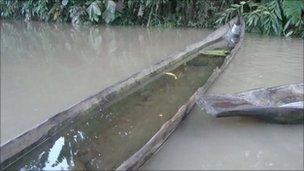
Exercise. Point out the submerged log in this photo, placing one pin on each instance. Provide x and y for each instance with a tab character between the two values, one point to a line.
281	104
151	147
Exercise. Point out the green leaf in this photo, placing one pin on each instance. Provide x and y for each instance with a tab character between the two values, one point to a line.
109	14
130	2
286	25
288	34
148	2
242	2
278	10
293	9
94	11
235	5
64	2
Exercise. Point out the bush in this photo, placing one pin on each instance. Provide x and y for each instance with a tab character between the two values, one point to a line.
279	17
270	17
195	13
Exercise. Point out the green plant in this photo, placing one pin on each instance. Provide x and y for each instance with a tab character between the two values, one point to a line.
94	11
277	17
294	12
193	13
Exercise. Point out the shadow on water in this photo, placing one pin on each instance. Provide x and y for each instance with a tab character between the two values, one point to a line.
105	138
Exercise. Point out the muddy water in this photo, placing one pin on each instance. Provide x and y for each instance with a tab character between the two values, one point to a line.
203	142
103	139
46	68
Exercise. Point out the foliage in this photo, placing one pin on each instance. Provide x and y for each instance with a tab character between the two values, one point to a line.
293	10
280	17
277	17
94	11
109	14
195	13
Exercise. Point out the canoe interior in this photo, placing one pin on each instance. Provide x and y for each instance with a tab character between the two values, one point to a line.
159	138
132	120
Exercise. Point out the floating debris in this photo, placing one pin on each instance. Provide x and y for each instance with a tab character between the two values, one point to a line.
171	74
215	52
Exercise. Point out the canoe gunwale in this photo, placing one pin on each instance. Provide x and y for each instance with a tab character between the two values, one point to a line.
25	142
154	144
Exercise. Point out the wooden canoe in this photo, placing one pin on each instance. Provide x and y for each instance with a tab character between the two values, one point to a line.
280	104
153	145
32	138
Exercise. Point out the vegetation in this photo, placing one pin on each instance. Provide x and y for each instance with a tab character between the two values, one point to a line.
271	17
279	17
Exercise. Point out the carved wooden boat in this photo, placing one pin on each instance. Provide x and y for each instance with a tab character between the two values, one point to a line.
21	145
281	104
151	147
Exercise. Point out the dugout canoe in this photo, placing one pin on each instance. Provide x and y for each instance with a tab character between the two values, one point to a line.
30	139
280	104
153	145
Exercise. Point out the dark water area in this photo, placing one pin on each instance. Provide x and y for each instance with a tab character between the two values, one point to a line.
103	139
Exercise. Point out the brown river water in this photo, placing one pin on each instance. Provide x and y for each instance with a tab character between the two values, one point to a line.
46	68
202	142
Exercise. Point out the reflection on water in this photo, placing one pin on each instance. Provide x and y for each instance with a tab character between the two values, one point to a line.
103	139
54	161
46	68
206	143
51	159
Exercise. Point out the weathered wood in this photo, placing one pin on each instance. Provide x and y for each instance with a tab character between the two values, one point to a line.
281	104
22	144
215	53
151	147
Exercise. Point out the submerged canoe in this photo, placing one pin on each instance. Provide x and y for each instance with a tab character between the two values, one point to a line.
47	131
152	146
281	104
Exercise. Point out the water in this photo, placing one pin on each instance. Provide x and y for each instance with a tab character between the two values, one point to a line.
205	143
263	62
103	139
46	68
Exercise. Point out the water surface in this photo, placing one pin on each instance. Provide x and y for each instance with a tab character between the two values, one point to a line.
46	68
205	143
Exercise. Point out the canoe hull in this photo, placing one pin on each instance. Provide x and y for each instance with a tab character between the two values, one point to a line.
270	114
268	104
